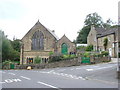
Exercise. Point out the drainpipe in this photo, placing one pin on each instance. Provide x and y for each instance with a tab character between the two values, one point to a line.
22	53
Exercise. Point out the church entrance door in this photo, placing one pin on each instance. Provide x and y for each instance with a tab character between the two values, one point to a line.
64	48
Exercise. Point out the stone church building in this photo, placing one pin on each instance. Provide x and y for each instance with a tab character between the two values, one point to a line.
40	41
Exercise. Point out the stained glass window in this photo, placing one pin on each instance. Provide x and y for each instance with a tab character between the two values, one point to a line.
37	41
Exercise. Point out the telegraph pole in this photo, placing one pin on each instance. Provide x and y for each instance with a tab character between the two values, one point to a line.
118	41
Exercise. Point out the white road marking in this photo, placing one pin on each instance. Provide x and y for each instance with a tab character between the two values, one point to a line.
65	74
95	66
16	80
99	68
12	80
8	81
62	74
11	73
56	73
48	85
25	77
89	69
2	82
72	69
61	70
79	68
104	67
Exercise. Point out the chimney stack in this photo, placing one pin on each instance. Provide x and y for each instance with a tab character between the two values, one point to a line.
53	31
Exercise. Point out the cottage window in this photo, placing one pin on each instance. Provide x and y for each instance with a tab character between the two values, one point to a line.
37	41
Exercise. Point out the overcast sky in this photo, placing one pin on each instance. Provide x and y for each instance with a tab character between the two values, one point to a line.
67	17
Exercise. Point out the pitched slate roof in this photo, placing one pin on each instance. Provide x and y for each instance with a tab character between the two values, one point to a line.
38	23
101	32
64	36
53	34
49	31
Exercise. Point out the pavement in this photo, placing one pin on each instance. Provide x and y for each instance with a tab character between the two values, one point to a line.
87	76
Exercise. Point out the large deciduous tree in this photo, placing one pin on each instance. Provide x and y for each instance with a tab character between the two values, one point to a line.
82	35
93	19
10	49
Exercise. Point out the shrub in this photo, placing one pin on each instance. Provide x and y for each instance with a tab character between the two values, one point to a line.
86	54
89	48
60	58
55	58
37	60
72	56
51	53
5	64
82	48
104	53
66	56
105	43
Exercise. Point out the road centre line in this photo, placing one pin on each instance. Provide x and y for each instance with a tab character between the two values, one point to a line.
89	69
25	77
49	85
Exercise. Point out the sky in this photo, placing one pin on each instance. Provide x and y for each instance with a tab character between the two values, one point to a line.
67	17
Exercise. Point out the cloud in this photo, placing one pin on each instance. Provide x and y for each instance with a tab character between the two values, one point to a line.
63	16
10	9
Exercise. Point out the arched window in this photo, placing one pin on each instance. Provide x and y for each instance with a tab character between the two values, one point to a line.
64	48
37	41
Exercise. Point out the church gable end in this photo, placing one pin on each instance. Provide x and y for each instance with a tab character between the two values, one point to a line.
64	45
40	41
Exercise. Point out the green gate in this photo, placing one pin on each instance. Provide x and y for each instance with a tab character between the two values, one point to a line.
12	66
85	60
64	49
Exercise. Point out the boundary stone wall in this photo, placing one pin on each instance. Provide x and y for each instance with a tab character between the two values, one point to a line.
65	63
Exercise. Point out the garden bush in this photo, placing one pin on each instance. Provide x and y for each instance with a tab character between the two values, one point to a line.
86	54
104	53
37	60
89	48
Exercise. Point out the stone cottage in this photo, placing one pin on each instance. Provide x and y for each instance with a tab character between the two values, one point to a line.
97	36
40	41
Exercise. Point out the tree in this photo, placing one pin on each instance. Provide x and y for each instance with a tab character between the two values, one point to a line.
6	48
105	43
93	19
16	44
82	36
108	23
9	52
